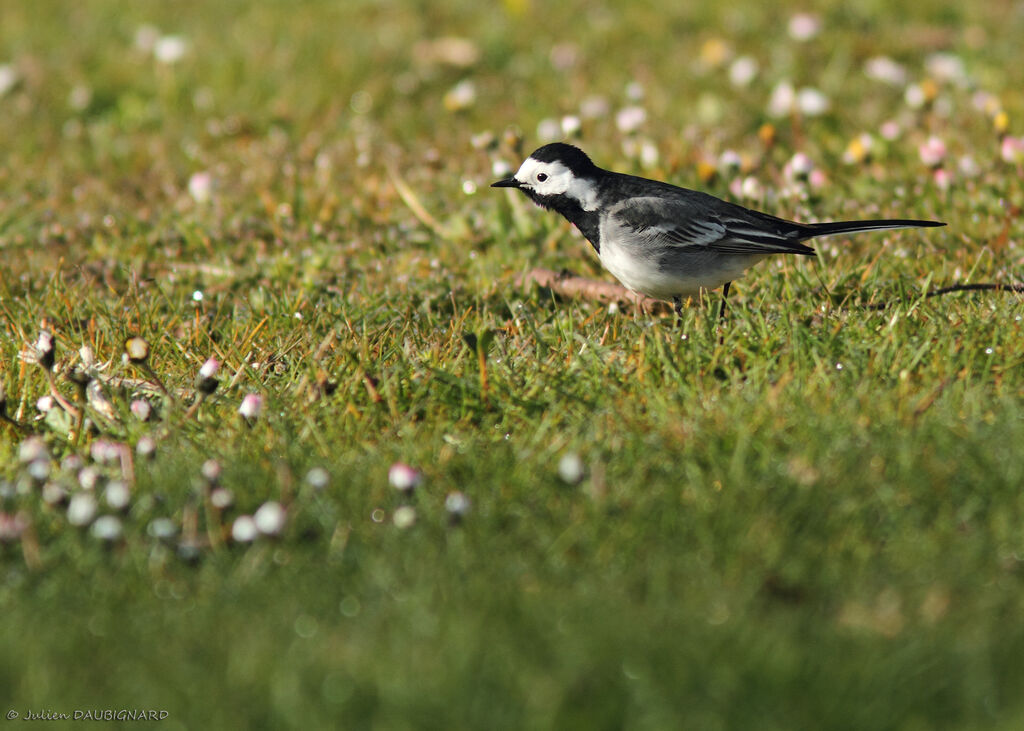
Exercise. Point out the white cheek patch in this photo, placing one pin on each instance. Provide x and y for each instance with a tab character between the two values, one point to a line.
585	192
559	181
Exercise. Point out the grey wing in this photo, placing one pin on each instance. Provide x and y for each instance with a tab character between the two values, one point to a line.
702	223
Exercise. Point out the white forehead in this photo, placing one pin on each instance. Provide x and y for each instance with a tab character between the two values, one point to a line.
559	181
528	171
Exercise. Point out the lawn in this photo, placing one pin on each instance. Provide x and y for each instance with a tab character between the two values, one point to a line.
289	442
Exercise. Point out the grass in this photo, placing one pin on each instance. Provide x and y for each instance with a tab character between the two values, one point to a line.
811	518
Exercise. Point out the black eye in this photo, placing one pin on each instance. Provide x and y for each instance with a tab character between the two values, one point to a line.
541	177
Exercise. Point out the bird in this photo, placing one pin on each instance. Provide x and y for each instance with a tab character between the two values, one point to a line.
661	240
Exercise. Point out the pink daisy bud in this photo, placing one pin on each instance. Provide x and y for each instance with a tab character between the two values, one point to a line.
812	102
104	451
932	151
146	447
890	130
209	368
751	187
270	518
630	119
969	167
170	49
32	449
1012	149
211	471
11	527
804	26
730	160
782	100
252	406
886	70
457	504
206	382
141	409
200	187
81	508
403	477
244	529
222	498
799	167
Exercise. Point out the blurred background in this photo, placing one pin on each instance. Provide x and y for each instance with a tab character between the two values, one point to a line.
299	190
243	118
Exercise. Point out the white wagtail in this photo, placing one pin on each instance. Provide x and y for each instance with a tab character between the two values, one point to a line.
661	240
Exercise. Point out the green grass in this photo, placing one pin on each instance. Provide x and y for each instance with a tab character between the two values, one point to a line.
810	518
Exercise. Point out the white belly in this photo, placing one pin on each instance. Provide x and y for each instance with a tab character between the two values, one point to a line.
697	271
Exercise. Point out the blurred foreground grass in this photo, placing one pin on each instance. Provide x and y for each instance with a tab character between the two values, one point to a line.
816	523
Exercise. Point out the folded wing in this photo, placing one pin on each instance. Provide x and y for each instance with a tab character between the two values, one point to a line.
706	225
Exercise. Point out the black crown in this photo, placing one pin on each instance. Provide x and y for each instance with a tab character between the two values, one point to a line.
572	157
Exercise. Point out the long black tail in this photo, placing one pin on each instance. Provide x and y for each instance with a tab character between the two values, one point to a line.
849	227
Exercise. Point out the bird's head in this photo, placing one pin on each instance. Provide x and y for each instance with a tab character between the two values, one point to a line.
554	173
